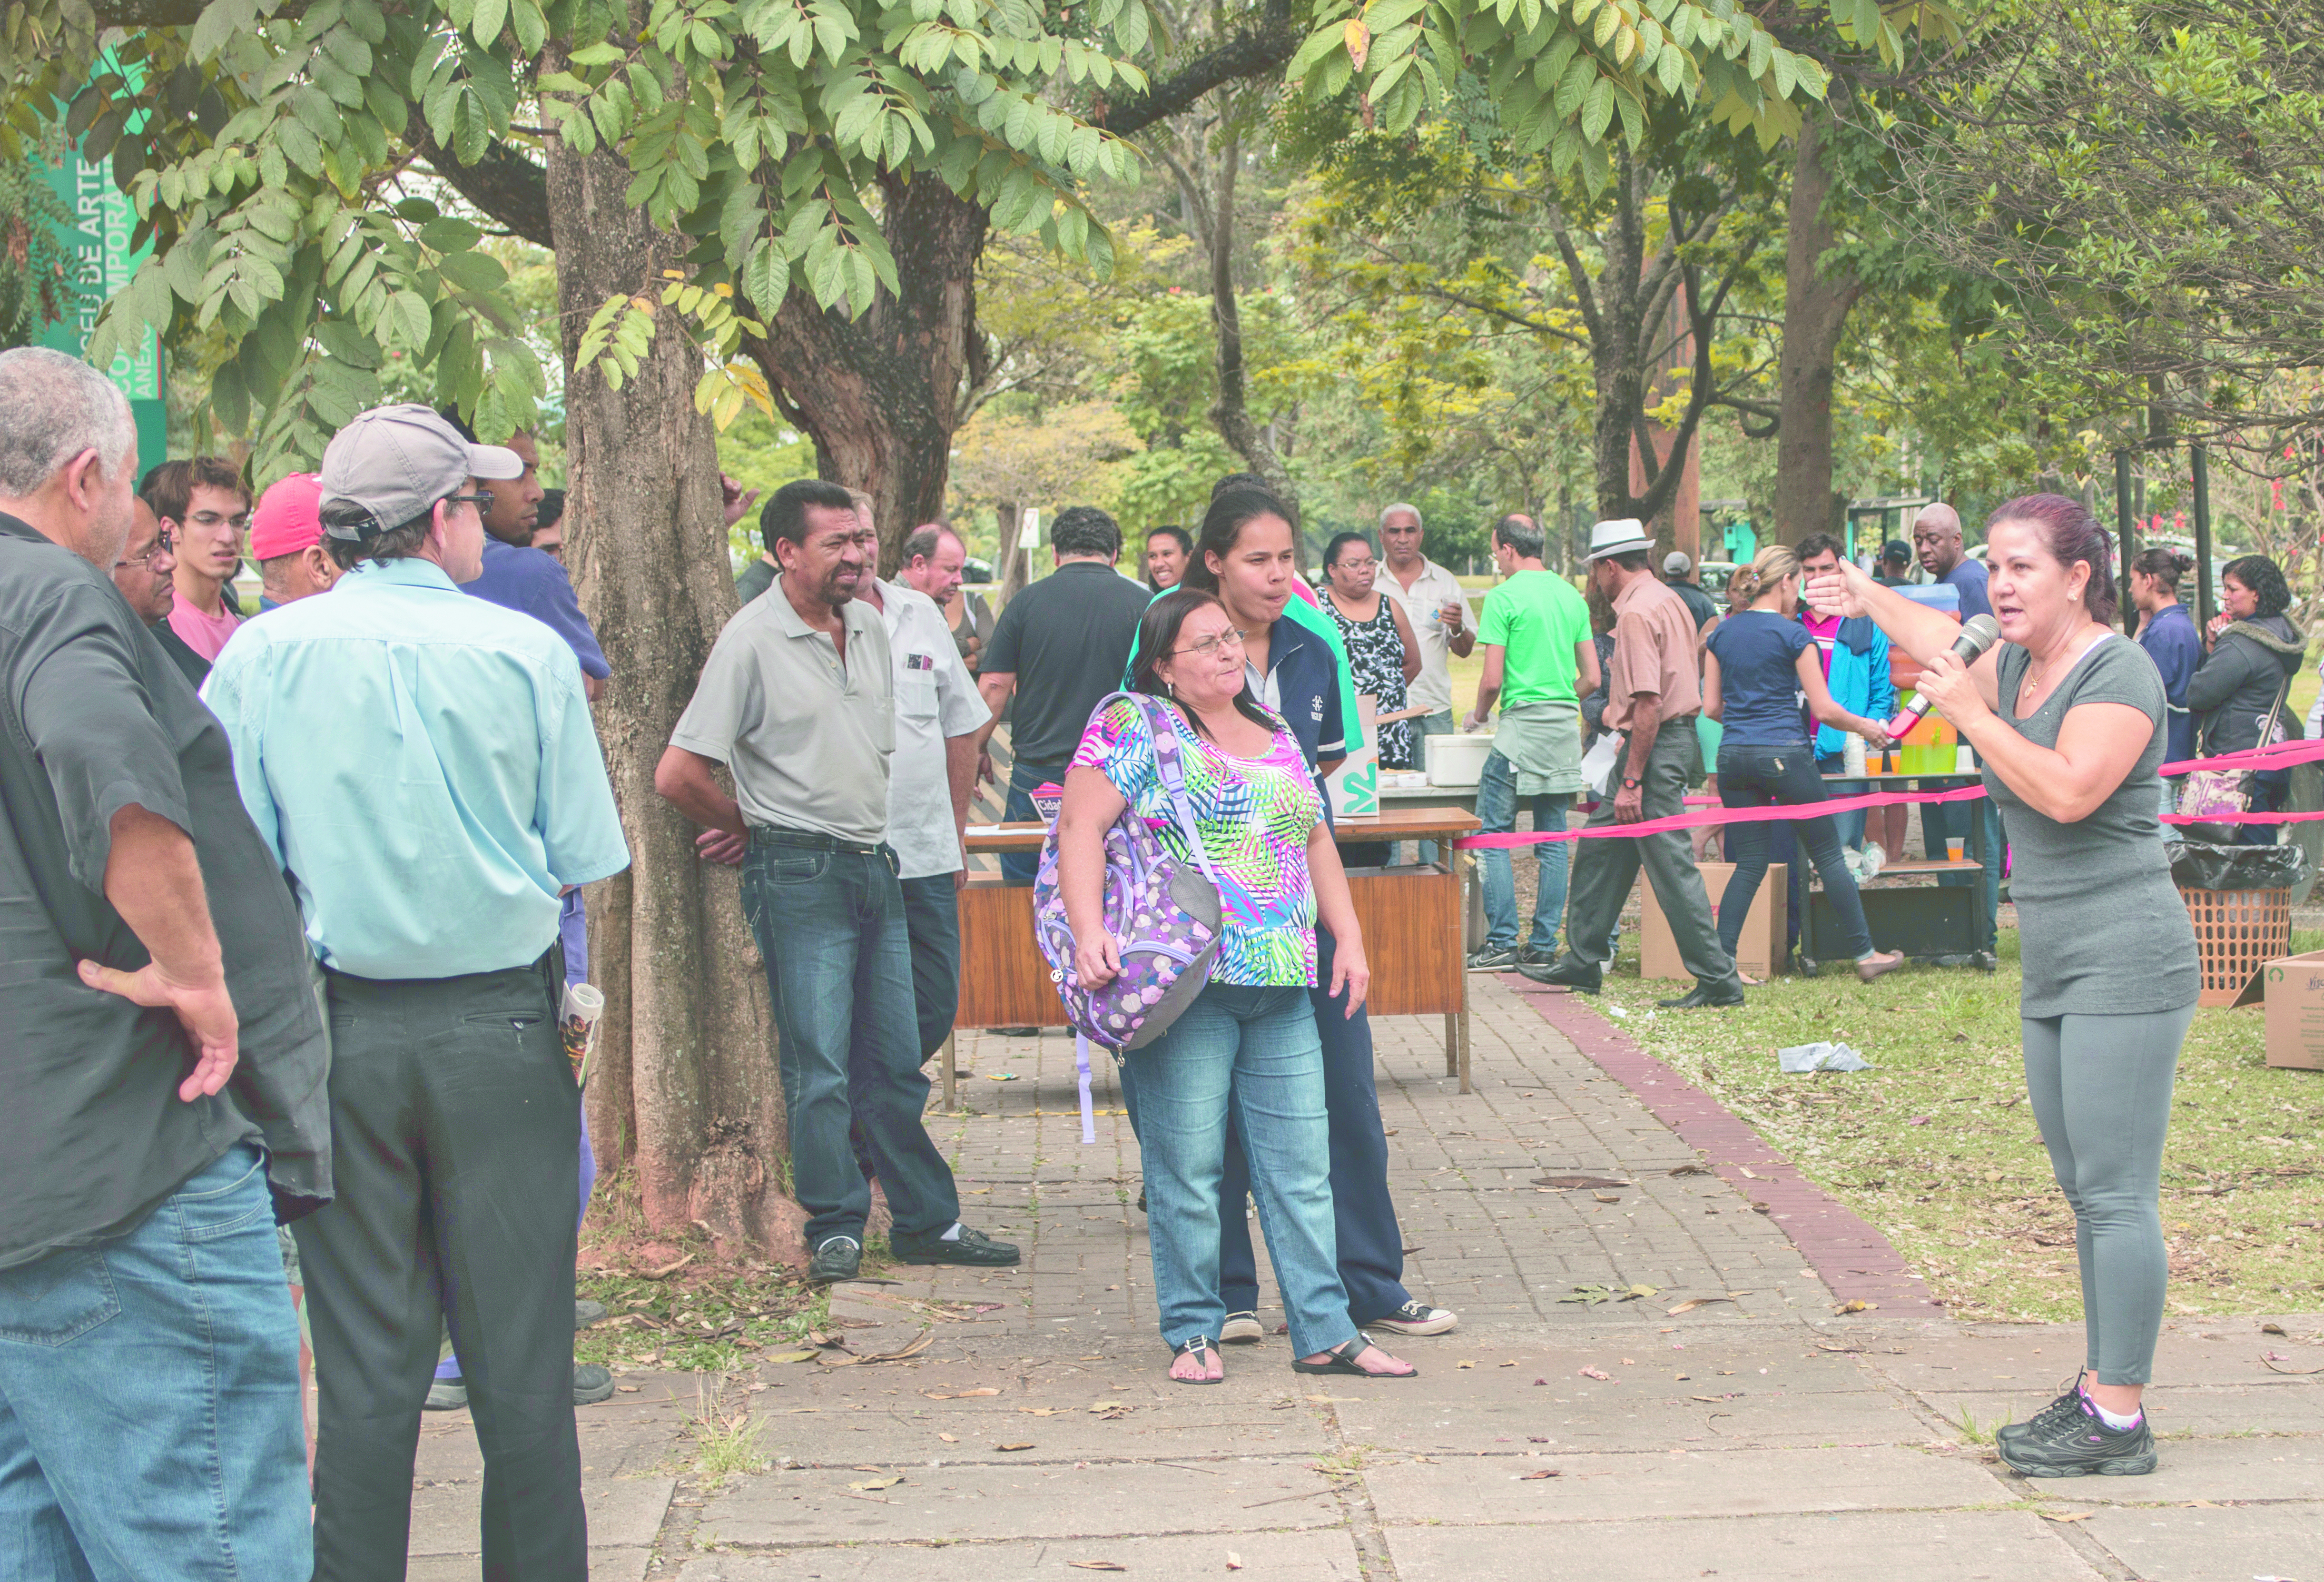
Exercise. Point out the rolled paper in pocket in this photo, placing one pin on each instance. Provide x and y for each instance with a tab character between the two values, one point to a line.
577	1026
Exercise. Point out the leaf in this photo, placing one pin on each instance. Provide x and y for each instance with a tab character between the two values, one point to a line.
1570	1183
878	1483
794	1356
1537	1476
1464	1365
1040	1410
1234	1561
2063	1517
959	1394
949	1438
1855	1305
1016	1445
1590	1372
1096	1565
1692	1304
1359	42
1606	1197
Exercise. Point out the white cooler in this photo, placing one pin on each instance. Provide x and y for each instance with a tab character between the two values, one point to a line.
1458	760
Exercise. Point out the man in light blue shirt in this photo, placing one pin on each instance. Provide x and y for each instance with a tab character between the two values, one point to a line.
424	767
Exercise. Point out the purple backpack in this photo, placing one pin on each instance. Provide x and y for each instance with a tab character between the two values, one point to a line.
1164	913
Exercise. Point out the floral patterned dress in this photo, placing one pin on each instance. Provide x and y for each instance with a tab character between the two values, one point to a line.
1376	655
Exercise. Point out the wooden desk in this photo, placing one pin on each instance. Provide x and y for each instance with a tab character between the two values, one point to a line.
1411	918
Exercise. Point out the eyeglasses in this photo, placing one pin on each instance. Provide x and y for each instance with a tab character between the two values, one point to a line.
213	519
161	546
1209	646
482	497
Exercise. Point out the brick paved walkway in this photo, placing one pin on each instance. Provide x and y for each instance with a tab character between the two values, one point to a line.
1762	1440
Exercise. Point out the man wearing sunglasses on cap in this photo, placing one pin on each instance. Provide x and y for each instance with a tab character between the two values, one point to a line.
453	736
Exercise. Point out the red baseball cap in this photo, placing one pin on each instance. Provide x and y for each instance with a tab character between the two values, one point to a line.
288	519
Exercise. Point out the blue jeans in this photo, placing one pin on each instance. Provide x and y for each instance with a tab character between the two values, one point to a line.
1253	1050
830	926
1851	824
1021	868
150	1419
1497	812
1762	777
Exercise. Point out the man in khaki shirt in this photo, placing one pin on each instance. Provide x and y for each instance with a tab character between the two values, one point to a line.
1654	696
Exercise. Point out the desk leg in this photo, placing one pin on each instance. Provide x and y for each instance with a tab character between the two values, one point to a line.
1453	1042
947	1055
1464	1018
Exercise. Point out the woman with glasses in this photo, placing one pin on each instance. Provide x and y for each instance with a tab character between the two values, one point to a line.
1248	1044
1382	650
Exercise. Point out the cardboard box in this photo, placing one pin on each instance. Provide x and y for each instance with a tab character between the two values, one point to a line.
1760	952
2295	986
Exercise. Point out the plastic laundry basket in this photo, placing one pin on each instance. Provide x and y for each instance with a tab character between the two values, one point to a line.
2236	930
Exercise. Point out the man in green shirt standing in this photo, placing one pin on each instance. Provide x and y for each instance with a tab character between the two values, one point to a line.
1539	663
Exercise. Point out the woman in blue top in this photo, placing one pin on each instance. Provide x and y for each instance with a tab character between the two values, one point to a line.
1758	662
2167	632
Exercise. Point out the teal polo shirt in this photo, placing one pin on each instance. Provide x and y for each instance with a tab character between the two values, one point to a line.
423	765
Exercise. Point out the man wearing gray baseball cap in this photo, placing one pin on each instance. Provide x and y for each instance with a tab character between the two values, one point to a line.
424	766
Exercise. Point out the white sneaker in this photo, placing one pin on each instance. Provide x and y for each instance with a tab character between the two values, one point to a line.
1241	1329
1418	1318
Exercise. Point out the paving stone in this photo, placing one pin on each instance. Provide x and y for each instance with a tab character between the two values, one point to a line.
606	1565
2269	1468
1265	1557
1965	1546
2209	1411
622	1513
2211	1546
1031	1499
1506	1487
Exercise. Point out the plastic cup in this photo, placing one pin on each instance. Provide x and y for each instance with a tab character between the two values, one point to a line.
1954	849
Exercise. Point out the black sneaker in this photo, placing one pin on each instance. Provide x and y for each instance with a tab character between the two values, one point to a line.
839	1258
2081	1445
2061	1409
592	1383
973	1248
1494	959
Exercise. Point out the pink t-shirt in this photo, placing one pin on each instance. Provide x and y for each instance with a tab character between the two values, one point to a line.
199	633
1825	630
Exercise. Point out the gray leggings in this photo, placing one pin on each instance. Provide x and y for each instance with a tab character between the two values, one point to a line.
2101	1087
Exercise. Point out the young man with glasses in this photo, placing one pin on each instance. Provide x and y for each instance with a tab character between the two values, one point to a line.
424	768
204	506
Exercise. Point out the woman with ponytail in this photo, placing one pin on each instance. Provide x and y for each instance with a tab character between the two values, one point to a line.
1758	663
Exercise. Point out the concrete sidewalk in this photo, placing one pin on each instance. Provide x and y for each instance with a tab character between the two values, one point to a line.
1756	1436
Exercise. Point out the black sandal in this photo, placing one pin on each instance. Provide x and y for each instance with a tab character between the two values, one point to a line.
1200	1348
1343	1361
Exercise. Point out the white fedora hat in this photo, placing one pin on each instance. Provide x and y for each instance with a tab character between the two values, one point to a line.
1619	537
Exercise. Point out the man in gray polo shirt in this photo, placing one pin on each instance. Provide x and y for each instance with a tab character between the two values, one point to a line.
797	701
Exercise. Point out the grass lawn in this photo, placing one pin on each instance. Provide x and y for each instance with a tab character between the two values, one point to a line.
1935	1145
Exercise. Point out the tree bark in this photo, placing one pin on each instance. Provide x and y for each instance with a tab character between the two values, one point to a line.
685	1091
880	394
1816	304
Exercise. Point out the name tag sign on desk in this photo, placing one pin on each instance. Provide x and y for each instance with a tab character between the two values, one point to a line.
1354	786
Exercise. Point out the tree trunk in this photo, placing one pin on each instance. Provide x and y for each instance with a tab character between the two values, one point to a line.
880	395
1816	304
1231	413
685	1091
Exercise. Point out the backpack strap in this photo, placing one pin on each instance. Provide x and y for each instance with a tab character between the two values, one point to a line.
1168	746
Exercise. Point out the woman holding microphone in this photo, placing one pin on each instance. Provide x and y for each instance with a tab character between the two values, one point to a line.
2068	719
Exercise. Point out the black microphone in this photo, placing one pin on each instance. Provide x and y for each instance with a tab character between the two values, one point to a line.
1978	633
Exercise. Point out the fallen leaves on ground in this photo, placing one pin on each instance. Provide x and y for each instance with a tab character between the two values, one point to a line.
874	1483
1590	1372
959	1394
1016	1445
1693	1303
1855	1305
794	1356
1574	1183
1097	1565
2064	1516
1537	1476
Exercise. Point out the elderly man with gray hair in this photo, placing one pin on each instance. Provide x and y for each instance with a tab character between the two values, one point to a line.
1438	608
163	1055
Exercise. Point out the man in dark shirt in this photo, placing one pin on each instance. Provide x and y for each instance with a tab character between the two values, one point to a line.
156	1027
1937	534
1678	571
1895	567
1059	646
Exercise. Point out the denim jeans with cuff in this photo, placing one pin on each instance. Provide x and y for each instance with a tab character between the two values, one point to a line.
1254	1050
149	1420
830	926
1497	813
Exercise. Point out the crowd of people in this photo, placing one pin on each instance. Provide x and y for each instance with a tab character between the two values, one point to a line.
289	952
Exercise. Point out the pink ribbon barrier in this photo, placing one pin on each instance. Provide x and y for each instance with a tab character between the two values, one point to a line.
2282	755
